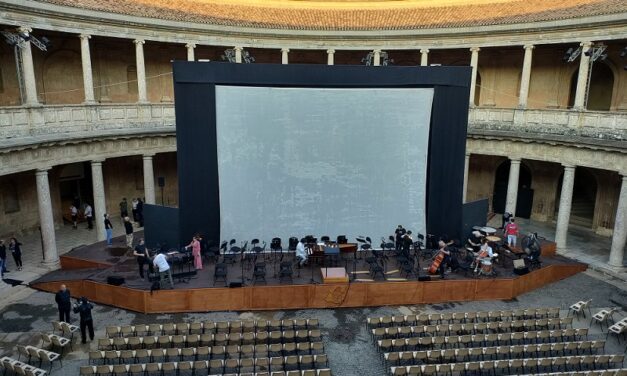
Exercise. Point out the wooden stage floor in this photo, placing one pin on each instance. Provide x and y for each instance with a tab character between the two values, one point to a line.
85	271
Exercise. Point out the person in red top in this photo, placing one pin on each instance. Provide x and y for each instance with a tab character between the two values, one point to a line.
511	230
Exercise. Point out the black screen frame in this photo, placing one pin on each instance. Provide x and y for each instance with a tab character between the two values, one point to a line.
194	92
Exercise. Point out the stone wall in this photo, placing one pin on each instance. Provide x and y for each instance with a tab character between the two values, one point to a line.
481	174
545	177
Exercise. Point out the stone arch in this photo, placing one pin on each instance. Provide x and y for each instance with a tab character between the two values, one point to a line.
63	78
601	91
525	193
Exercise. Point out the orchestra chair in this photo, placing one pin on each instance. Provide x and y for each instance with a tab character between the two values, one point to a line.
220	273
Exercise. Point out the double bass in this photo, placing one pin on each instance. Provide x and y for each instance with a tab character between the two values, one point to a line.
433	269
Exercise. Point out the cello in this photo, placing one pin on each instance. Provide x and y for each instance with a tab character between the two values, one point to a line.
433	269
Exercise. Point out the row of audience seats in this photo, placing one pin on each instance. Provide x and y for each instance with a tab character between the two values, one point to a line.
184	368
514	366
15	367
467	354
218	339
605	372
462	317
206	353
32	353
472	328
211	327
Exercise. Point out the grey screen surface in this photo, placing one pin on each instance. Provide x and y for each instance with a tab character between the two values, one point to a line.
321	161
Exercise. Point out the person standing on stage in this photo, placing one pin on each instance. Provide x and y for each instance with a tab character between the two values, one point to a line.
301	253
165	272
511	231
143	258
140	212
123	208
84	307
128	229
195	246
400	233
134	209
74	214
443	249
64	303
108	229
89	215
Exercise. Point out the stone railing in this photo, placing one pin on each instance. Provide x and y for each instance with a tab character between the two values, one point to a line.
592	124
20	126
48	123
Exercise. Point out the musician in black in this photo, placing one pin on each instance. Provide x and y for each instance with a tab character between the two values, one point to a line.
400	233
474	241
407	241
84	307
143	258
443	249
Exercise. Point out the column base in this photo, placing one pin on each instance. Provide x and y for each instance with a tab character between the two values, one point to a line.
52	265
143	102
90	103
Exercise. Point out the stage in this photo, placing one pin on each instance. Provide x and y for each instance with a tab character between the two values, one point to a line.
85	271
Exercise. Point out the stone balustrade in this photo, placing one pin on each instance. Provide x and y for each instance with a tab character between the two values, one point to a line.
21	126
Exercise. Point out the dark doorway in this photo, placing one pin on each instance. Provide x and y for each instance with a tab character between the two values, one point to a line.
75	187
584	197
601	86
525	193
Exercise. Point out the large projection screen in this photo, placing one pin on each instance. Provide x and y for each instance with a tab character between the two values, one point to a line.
321	161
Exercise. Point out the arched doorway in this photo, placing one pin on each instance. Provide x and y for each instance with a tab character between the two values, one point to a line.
584	197
601	86
525	193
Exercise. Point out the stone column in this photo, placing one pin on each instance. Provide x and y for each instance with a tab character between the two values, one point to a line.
190	51
284	55
88	81
512	186
466	166
617	252
563	215
474	62
46	220
330	56
100	206
582	78
149	179
424	57
28	71
376	58
238	54
525	77
141	71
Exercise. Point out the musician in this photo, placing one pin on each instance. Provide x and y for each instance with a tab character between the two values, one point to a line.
143	258
474	241
531	246
407	241
301	253
400	233
195	246
444	250
485	253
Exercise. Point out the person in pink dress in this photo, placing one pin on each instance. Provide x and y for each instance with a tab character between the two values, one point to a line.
195	246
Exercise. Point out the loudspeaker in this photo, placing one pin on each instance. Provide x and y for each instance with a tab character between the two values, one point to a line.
521	271
235	284
161	181
115	280
424	278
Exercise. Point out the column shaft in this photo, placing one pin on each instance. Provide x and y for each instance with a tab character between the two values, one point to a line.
190	51
424	57
141	71
582	77
474	62
525	77
28	71
330	56
88	81
563	215
376	57
238	54
512	186
617	252
149	180
285	55
46	219
466	167
100	206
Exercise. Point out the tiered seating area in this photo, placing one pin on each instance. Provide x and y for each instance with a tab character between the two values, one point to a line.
508	342
273	348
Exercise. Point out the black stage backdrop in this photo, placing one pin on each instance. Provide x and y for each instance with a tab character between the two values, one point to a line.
161	226
194	91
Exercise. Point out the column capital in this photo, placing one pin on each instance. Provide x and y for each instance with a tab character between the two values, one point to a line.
623	175
238	48
285	50
586	44
42	171
475	49
330	51
529	46
148	156
139	41
467	155
97	162
190	45
424	50
85	36
25	29
568	166
515	160
377	51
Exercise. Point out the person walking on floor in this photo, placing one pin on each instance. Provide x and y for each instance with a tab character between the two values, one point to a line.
128	229
195	246
143	258
64	303
108	229
16	250
74	214
134	208
84	307
3	258
89	215
123	208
